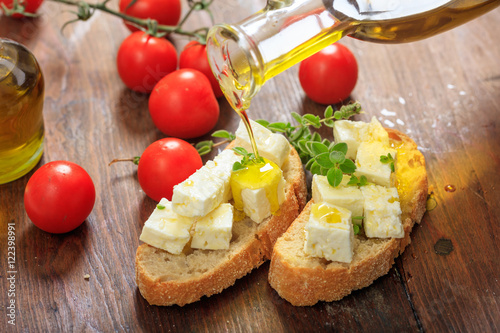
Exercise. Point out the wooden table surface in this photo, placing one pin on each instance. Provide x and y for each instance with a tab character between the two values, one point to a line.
444	92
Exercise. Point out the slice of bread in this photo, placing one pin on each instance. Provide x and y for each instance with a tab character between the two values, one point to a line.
167	279
304	280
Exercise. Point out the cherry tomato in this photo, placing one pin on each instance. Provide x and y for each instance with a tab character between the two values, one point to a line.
183	104
142	61
166	12
194	55
59	196
166	163
329	76
30	6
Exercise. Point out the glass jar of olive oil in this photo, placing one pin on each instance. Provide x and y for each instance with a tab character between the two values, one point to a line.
21	111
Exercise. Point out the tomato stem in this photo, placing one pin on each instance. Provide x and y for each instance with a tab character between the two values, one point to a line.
144	24
134	160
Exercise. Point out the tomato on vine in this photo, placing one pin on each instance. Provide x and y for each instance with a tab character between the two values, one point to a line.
142	61
329	76
194	55
30	6
165	12
166	163
183	104
59	196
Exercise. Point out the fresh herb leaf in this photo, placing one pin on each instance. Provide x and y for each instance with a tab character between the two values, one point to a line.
324	160
348	166
224	134
388	159
328	111
248	158
356	229
334	176
337	157
354	181
317	148
160	206
341	146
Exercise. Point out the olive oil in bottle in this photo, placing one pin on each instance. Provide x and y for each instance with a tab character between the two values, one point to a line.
245	55
21	105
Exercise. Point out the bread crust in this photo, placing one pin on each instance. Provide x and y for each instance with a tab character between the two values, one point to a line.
160	288
304	280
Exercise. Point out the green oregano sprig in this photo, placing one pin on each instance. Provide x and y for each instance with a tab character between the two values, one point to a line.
206	146
248	159
362	181
388	159
320	156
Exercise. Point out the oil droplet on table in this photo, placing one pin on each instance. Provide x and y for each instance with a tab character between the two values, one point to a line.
443	246
450	188
431	203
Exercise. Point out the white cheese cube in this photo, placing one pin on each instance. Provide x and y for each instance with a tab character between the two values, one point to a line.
368	163
256	203
167	230
349	132
346	196
353	133
329	233
274	147
213	231
198	195
374	132
382	212
221	167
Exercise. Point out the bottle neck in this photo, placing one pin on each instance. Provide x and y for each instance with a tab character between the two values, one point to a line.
244	56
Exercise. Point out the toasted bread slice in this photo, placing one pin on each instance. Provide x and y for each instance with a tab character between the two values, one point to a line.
305	280
168	279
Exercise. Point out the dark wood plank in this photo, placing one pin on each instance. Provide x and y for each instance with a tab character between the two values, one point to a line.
444	92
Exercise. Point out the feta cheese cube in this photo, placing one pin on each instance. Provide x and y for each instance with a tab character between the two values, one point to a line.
346	196
374	132
198	195
368	163
221	167
167	230
353	133
274	147
213	231
329	233
349	132
256	203
382	212
258	189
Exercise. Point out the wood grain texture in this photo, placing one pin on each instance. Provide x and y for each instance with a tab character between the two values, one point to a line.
444	92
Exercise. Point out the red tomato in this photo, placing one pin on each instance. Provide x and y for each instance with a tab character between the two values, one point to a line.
166	12
166	163
30	6
59	196
329	76
183	104
142	61
194	55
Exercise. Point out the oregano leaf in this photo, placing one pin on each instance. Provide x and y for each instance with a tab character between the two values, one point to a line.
348	166
277	127
334	177
337	157
316	137
317	148
315	168
324	160
262	122
328	111
297	117
341	146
